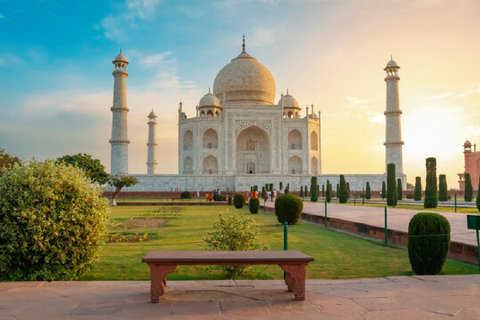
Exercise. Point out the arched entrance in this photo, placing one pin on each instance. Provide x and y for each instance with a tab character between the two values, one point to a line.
253	151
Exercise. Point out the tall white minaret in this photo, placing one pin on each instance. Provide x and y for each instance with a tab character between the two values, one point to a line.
393	138
152	143
119	141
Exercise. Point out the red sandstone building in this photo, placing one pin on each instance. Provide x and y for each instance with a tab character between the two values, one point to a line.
472	165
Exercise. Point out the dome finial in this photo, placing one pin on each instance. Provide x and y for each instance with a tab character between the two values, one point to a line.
287	91
209	90
243	45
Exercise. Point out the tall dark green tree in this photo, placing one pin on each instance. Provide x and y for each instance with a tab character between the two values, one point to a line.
391	185
323	190
368	192
384	190
313	190
431	200
442	188
338	190
301	192
306	191
399	189
468	188
343	192
329	192
418	189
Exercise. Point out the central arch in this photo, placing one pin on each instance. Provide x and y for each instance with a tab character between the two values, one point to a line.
253	151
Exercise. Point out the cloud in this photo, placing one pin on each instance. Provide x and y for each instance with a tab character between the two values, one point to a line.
113	29
441	96
142	9
8	58
2	16
356	100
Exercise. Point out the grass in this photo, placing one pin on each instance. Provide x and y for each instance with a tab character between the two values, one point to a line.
337	255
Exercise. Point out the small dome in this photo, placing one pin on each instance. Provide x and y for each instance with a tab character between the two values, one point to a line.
391	63
467	144
209	100
152	114
288	101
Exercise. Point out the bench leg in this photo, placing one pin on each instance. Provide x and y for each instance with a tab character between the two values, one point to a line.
158	276
295	279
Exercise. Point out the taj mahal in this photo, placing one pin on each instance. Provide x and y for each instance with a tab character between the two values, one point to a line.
240	137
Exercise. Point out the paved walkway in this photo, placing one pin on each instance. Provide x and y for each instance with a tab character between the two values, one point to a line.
397	219
425	297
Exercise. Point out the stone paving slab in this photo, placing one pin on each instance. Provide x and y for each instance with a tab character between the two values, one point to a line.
415	297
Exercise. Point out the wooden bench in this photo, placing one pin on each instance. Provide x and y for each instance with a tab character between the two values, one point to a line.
161	263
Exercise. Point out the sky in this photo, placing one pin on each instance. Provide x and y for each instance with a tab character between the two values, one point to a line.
56	86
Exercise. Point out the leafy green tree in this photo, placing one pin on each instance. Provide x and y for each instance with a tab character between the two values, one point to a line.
313	190
120	181
468	188
329	192
52	222
92	168
384	190
343	192
391	185
7	161
431	200
418	189
442	188
399	189
368	192
233	231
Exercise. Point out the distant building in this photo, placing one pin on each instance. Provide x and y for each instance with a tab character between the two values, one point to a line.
472	165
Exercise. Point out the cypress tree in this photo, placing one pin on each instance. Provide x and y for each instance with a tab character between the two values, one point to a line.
391	185
301	192
384	190
431	200
348	190
306	191
368	193
313	190
399	189
338	190
418	189
329	192
468	188
323	190
343	191
442	188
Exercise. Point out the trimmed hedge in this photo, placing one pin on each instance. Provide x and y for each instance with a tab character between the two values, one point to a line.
239	200
313	190
288	207
431	200
391	185
418	189
468	188
185	195
442	188
254	204
428	242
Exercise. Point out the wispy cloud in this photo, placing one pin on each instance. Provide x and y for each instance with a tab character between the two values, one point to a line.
356	100
441	96
2	16
8	58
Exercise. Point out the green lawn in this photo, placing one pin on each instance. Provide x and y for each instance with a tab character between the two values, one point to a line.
337	255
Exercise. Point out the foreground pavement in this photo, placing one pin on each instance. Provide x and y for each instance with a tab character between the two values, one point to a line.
418	297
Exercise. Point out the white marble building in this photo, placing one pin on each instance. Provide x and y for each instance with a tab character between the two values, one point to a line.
240	137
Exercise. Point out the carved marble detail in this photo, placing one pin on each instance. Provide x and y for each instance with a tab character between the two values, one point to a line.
263	124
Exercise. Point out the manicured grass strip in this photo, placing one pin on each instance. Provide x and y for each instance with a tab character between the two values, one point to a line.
337	255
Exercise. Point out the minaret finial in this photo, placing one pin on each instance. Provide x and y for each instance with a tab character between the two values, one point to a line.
243	45
391	57
287	91
120	50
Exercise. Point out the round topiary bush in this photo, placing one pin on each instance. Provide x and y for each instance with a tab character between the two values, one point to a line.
254	204
52	222
239	200
288	207
428	242
185	195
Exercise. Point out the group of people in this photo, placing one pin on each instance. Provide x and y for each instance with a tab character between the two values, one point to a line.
254	194
213	195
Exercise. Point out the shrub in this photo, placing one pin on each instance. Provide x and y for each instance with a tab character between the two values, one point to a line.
313	190
428	242
288	207
384	190
431	200
306	191
239	200
254	204
185	195
222	197
442	188
368	192
52	222
391	185
399	189
468	188
323	190
418	189
329	192
234	231
230	201
301	191
343	192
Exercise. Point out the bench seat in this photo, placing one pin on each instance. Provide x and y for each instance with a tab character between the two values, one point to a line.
162	263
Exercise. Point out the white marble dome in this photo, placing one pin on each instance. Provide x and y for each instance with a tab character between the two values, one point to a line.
391	63
288	101
245	81
209	100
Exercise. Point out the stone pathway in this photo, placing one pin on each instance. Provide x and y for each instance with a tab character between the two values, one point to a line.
419	297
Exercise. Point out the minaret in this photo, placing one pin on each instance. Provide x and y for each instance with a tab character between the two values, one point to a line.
152	143
393	138
119	141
